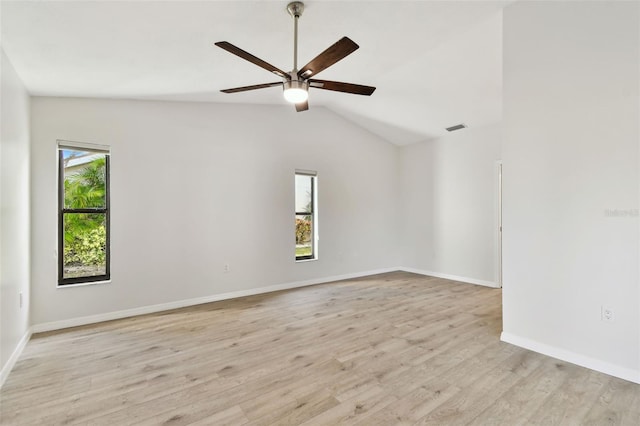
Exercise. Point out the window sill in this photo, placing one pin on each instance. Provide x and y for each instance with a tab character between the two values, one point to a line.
306	260
84	284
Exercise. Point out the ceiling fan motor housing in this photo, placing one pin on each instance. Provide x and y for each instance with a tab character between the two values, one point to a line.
296	84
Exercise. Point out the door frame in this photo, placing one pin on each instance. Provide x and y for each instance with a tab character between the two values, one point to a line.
499	223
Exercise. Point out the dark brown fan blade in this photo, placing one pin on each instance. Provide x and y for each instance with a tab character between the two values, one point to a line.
253	59
333	54
338	86
302	106
254	87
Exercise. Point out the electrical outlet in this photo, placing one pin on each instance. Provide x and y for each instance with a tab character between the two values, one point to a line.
227	268
607	313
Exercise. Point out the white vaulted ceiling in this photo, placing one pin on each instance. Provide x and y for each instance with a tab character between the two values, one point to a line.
434	63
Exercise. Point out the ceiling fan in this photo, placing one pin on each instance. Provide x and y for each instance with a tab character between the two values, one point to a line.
296	83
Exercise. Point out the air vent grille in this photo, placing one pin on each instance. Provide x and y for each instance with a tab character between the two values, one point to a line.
456	127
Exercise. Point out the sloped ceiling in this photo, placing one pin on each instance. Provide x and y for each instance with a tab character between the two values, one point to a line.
435	63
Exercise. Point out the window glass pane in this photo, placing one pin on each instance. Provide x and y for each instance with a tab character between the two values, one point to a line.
85	245
304	234
303	193
84	179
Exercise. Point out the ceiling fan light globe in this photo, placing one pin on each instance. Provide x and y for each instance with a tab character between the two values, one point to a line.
296	91
296	95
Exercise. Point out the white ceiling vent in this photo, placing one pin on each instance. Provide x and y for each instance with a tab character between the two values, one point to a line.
456	127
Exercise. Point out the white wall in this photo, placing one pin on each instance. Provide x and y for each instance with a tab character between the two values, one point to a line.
570	153
450	205
14	216
195	186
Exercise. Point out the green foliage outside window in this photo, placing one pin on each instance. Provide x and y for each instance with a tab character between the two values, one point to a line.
85	233
303	231
86	247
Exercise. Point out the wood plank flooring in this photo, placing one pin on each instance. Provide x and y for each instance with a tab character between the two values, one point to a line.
389	349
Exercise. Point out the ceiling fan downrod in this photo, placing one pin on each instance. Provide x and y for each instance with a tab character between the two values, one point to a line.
295	9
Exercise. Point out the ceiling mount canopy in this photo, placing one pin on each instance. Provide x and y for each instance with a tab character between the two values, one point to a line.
296	83
295	9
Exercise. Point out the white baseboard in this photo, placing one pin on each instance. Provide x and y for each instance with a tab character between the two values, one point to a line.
572	357
11	362
451	277
108	316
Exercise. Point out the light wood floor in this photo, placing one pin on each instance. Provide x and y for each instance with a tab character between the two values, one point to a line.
389	349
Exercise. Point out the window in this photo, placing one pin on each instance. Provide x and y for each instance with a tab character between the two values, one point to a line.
306	216
83	213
